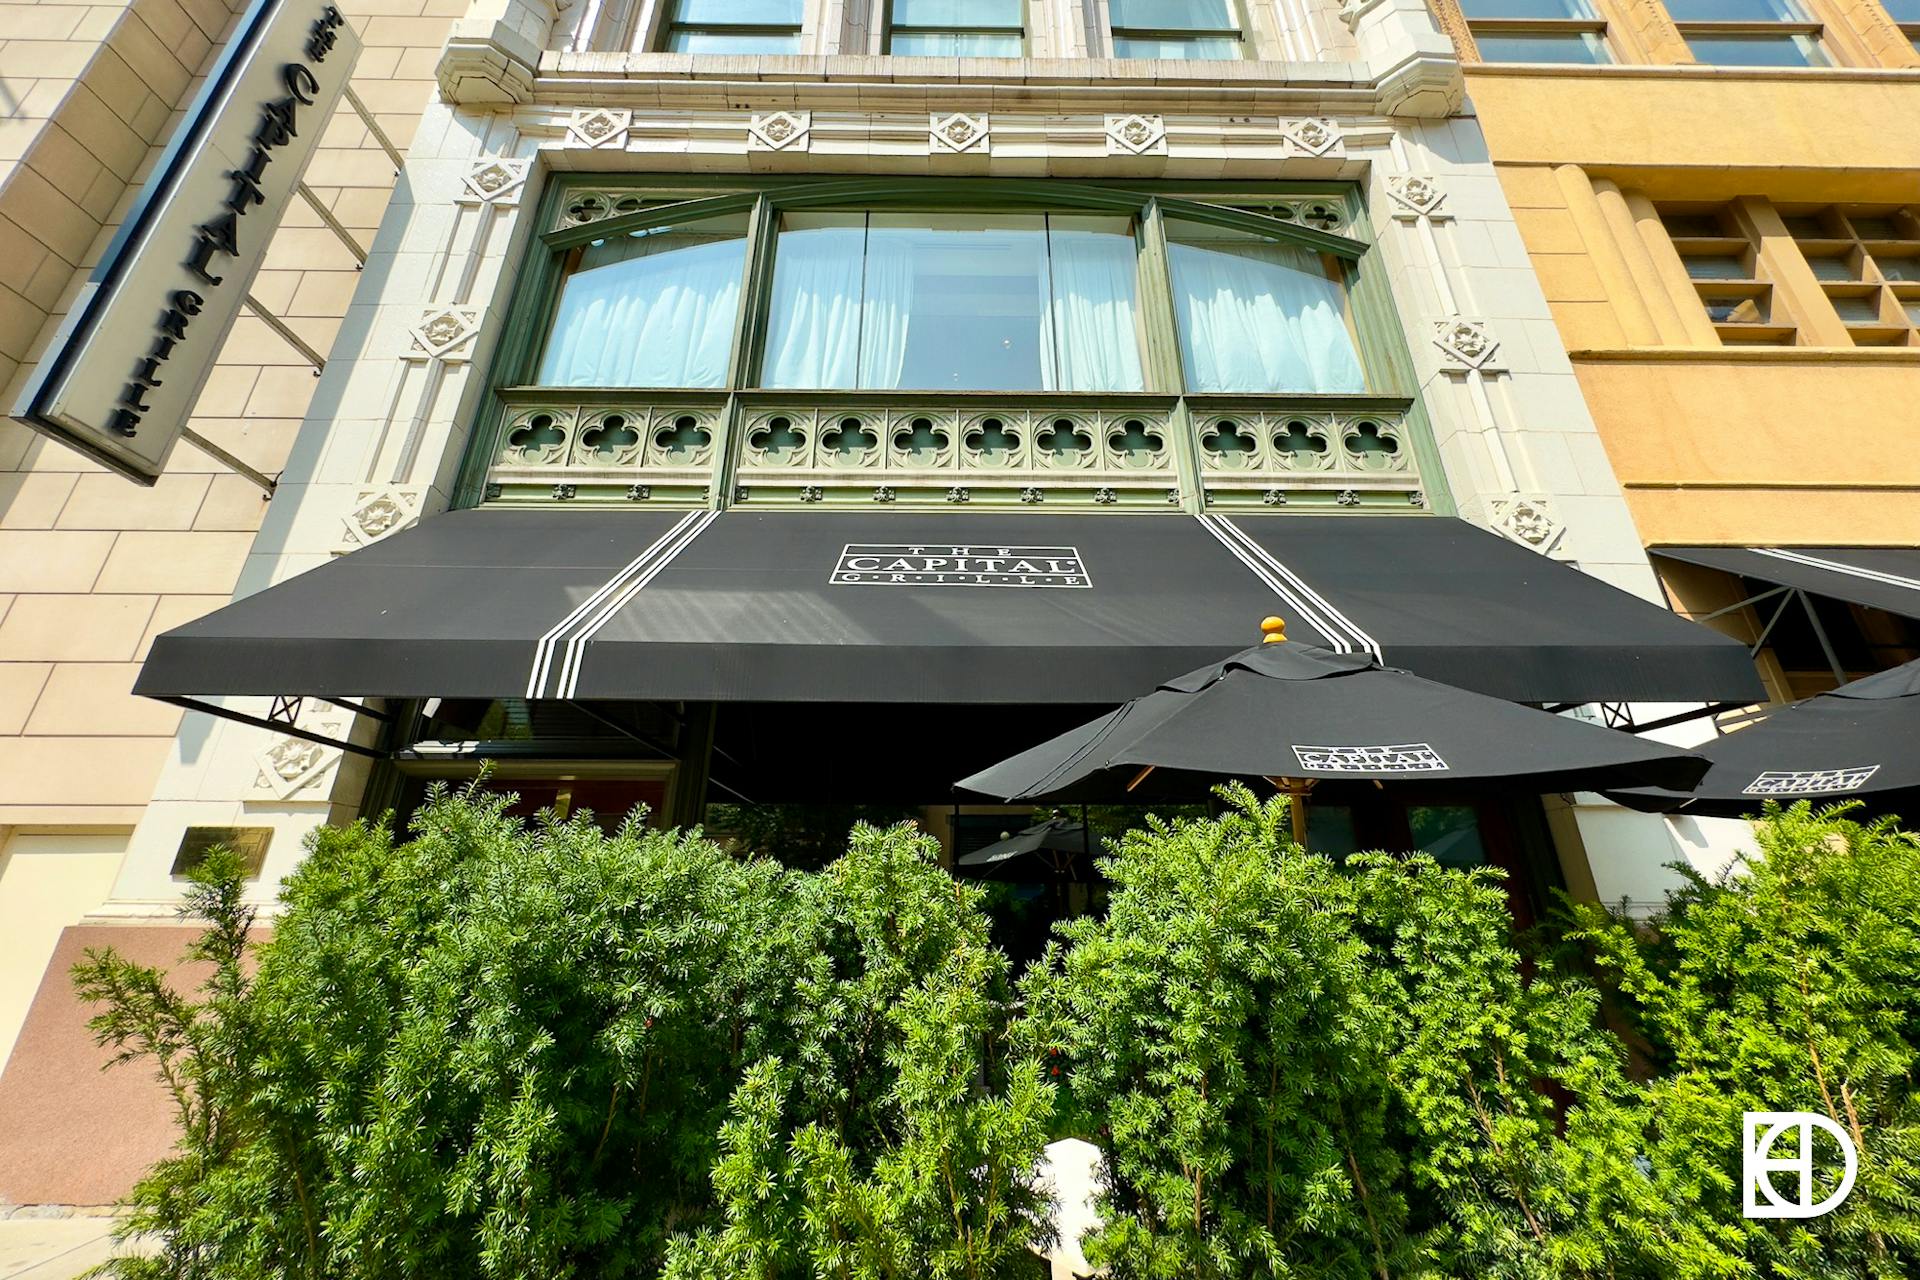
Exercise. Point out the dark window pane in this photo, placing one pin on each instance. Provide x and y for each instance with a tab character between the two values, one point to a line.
1450	832
957	13
1583	47
1717	267
1173	15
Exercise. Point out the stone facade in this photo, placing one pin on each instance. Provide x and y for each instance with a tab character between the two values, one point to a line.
490	103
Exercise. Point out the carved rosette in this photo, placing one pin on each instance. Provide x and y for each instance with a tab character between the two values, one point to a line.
959	133
1416	196
1313	136
378	513
599	128
287	766
780	131
1529	520
1469	343
445	334
1136	135
496	180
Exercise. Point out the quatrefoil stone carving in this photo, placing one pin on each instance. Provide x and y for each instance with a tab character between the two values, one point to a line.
495	180
445	334
1467	342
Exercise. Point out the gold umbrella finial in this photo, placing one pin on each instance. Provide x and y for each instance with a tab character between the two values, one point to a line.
1273	630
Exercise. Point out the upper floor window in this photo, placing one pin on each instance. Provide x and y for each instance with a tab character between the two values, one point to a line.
1907	14
732	26
1749	33
1187	29
954	302
654	308
1011	300
957	28
1867	261
1537	30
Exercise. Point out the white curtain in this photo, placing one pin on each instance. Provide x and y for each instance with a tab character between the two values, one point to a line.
1261	317
1091	324
648	311
888	313
813	337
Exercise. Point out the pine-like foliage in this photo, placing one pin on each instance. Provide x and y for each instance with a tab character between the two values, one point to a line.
1792	983
499	1051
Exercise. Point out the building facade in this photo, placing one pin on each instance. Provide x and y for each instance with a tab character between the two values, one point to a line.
657	274
1722	202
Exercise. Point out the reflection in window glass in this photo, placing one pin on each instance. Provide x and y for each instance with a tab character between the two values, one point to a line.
1450	832
957	28
1179	29
1716	266
1736	11
733	26
1586	48
1546	10
1330	830
1256	315
955	302
652	309
1786	49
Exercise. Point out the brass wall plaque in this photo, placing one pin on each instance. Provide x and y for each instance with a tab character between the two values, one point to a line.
249	842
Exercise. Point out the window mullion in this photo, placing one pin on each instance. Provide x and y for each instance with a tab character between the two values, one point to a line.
1163	372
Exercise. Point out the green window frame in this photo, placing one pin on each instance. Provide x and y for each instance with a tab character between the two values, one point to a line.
1325	219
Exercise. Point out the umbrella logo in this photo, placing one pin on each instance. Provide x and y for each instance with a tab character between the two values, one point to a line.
1807	782
1407	757
1762	1129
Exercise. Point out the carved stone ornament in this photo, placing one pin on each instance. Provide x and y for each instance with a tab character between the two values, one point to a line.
883	493
959	493
1032	495
444	333
1136	135
1313	136
1467	342
811	493
599	128
1105	496
1527	520
958	133
780	131
495	180
1416	196
288	765
379	512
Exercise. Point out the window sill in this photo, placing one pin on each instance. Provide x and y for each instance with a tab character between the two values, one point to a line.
1693	71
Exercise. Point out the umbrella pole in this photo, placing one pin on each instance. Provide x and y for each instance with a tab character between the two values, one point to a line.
1296	790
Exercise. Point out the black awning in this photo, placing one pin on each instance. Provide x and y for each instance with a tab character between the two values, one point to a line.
1879	577
883	606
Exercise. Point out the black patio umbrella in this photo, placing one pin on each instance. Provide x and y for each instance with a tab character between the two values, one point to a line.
1860	741
1052	850
1295	714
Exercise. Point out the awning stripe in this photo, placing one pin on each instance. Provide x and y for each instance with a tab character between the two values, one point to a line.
1835	566
1336	638
543	656
577	644
1344	630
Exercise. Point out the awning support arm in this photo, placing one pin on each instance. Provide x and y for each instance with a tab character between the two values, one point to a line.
1682	717
1820	634
1741	604
277	726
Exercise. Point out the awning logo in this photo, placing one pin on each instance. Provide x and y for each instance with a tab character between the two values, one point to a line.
1807	782
902	564
1762	1130
1405	757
